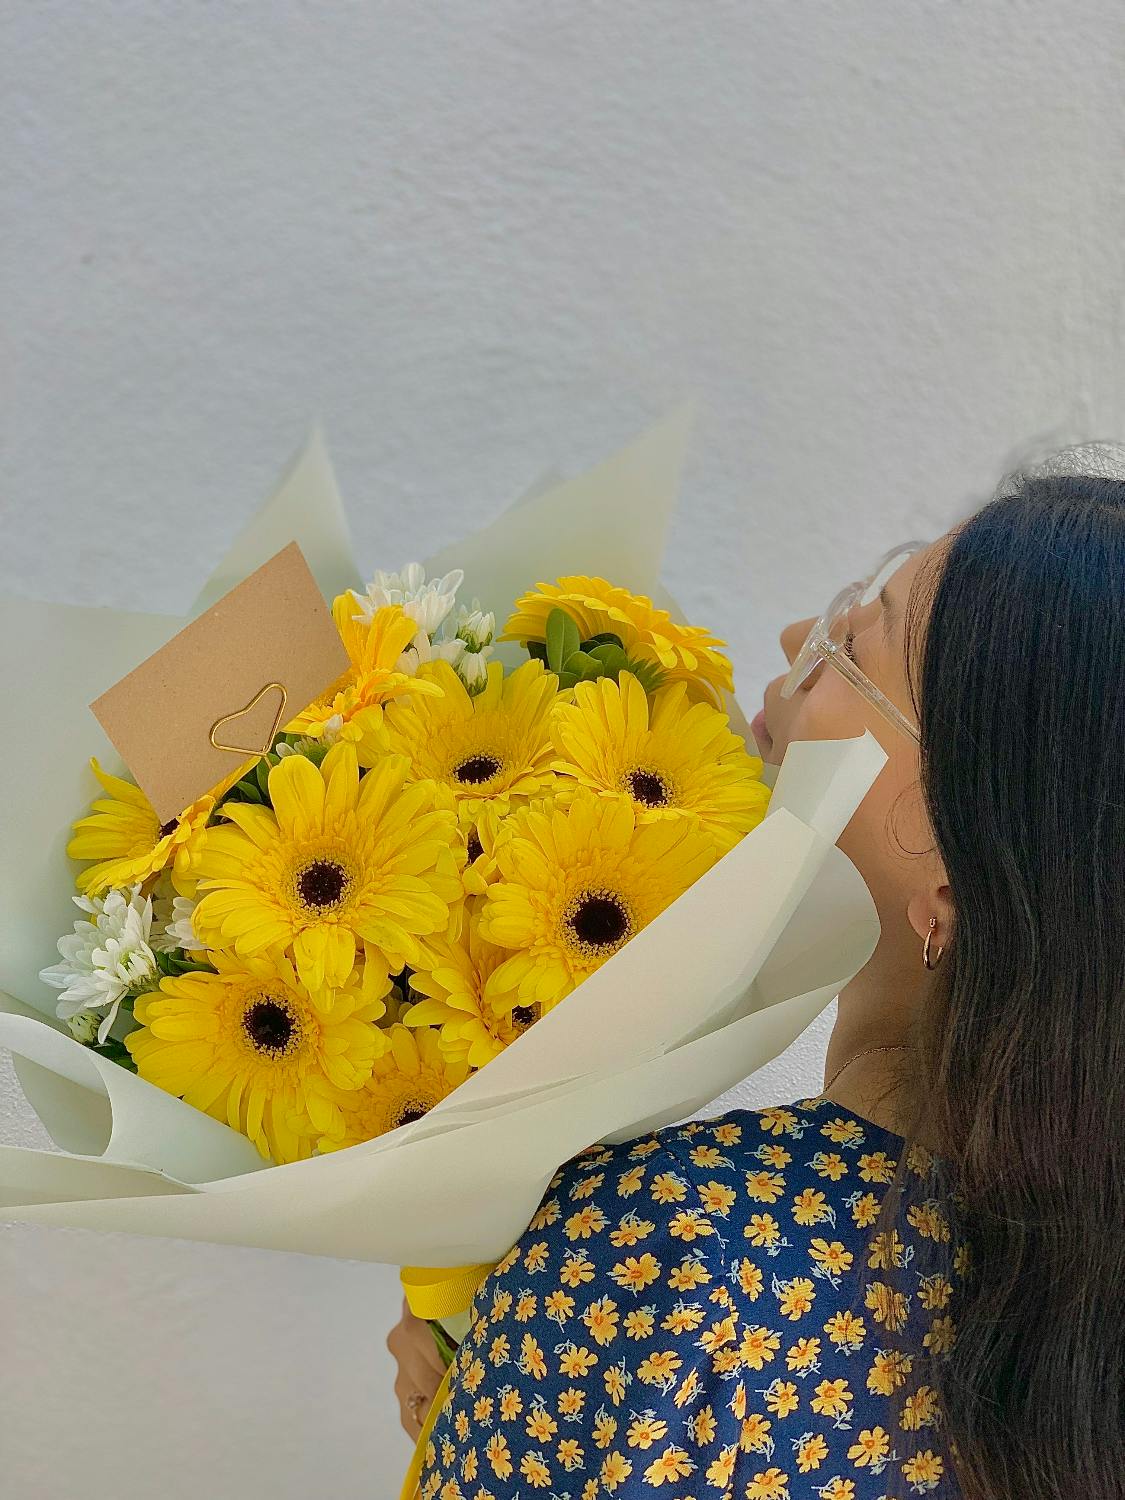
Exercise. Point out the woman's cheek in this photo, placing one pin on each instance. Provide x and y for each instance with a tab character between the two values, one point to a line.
832	710
882	835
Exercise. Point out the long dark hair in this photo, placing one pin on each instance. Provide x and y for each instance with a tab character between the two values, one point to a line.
1018	683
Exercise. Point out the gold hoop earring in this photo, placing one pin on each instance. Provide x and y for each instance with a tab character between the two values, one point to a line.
926	948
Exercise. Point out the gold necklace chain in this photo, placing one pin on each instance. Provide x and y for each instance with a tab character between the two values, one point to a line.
894	1047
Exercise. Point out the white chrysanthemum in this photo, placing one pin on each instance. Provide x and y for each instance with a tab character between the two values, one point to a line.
426	603
83	1026
473	630
105	958
171	919
473	626
180	928
305	743
171	923
473	671
331	730
423	649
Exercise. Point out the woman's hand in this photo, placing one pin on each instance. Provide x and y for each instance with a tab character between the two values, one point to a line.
420	1369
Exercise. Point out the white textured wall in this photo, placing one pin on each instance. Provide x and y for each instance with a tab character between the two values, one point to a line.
883	244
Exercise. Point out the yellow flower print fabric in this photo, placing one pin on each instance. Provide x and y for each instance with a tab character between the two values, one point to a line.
705	1312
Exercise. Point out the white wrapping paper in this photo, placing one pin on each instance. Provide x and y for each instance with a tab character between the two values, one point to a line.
724	980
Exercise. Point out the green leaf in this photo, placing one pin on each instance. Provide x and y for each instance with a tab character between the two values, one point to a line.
191	966
604	638
117	1052
579	663
612	657
562	637
648	674
261	773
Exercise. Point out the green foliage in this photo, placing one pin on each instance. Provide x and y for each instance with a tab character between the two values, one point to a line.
254	786
117	1052
575	660
169	963
447	1347
562	639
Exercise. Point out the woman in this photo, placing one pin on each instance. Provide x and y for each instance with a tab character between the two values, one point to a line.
913	1282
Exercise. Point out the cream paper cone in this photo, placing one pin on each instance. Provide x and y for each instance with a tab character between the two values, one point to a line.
450	1187
721	983
72	654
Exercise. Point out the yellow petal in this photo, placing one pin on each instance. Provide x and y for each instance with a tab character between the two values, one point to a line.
123	791
297	793
257	823
340	773
339	955
309	956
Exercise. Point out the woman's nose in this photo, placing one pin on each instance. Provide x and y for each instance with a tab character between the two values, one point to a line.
793	637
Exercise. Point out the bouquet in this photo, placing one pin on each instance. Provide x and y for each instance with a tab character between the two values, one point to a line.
427	859
427	906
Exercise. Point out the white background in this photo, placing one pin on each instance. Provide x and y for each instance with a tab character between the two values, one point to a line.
883	244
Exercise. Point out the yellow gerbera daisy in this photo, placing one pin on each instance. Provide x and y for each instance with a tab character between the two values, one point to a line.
406	1082
475	1020
253	1047
492	747
123	834
373	678
671	759
686	652
577	883
485	834
336	862
481	839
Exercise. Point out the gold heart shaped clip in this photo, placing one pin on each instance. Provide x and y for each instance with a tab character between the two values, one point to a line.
245	709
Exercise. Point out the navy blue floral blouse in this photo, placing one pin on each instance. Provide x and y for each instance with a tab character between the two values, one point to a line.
702	1312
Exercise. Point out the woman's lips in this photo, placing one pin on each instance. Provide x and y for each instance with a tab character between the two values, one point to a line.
760	732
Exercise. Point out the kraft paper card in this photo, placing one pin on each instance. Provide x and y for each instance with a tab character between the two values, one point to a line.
218	692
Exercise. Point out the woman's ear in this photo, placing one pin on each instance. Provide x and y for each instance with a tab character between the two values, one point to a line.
934	900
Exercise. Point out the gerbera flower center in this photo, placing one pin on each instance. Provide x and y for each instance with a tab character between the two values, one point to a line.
599	921
322	883
167	828
648	788
409	1111
270	1026
522	1016
478	768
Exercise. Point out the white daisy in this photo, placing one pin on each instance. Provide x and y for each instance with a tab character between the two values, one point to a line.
426	603
105	958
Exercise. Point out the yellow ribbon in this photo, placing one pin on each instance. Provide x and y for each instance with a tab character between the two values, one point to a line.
436	1294
441	1293
414	1473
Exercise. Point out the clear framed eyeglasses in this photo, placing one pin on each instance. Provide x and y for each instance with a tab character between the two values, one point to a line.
828	639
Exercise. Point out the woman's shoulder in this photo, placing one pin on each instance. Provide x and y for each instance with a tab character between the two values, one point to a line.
707	1306
789	1167
775	1210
